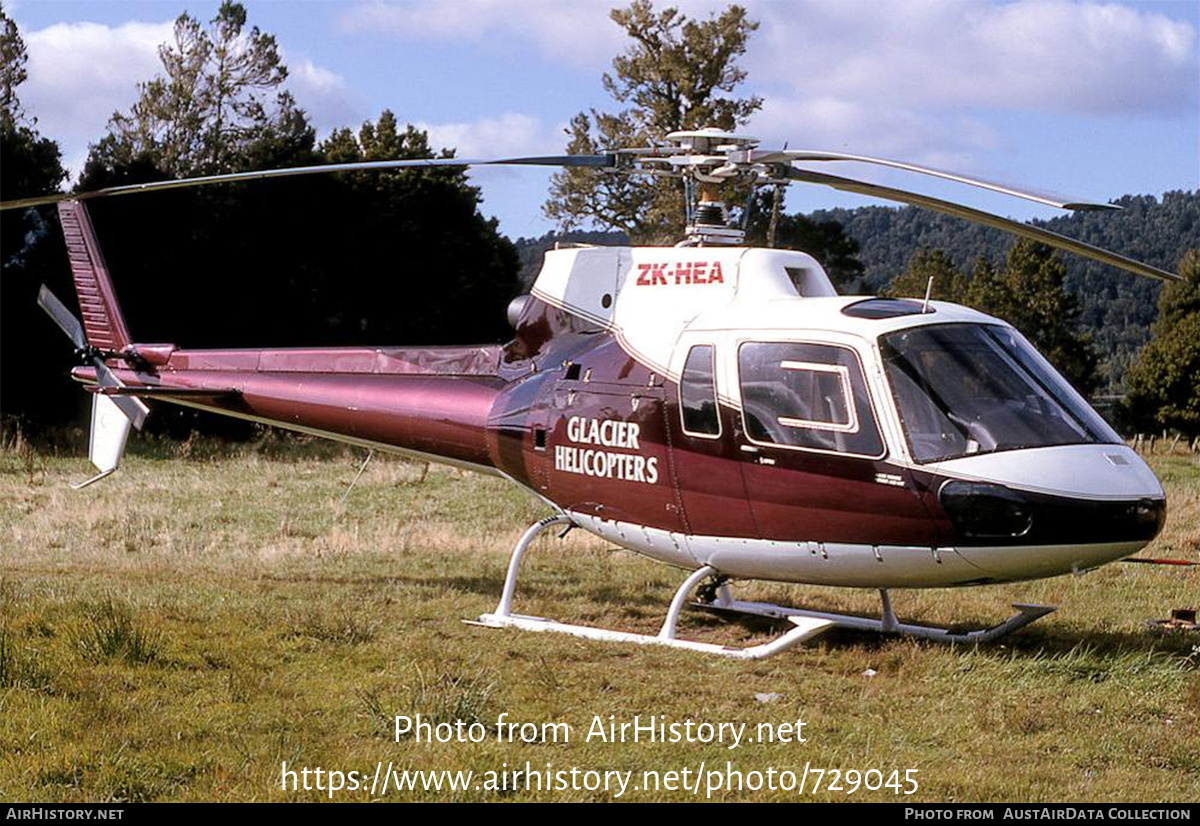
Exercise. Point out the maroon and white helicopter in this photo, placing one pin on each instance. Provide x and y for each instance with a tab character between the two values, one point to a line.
708	405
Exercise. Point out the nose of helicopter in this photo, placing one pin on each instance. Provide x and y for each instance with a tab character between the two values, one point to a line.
1095	471
1051	510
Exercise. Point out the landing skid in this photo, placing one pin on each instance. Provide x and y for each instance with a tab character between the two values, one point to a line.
806	627
715	596
887	624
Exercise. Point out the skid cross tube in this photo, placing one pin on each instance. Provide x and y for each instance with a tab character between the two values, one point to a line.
805	627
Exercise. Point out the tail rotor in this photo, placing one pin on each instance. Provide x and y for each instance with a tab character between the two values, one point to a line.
112	416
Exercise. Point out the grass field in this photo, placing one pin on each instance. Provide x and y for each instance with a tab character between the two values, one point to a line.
180	630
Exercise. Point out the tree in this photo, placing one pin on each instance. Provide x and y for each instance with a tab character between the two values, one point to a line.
12	69
1032	297
1164	383
29	250
948	283
1028	293
211	105
672	77
324	260
31	164
420	234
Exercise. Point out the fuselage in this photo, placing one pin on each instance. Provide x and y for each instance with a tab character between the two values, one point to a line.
724	407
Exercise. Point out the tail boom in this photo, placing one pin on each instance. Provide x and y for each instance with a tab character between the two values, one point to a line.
436	416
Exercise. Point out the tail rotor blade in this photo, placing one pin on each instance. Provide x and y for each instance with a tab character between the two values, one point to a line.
64	318
134	409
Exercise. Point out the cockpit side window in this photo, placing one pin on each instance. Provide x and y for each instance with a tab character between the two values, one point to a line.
698	394
809	396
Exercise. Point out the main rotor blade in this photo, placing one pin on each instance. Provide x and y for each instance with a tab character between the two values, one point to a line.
986	218
1047	198
63	317
358	166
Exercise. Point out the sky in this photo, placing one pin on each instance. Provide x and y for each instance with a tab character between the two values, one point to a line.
1090	99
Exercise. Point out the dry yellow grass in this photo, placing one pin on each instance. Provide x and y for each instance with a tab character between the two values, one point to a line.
180	630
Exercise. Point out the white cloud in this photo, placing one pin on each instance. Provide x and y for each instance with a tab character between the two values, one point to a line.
1031	55
886	130
927	81
509	135
942	55
922	79
323	94
81	73
578	33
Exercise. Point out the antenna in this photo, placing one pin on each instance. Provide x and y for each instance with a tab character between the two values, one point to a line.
928	293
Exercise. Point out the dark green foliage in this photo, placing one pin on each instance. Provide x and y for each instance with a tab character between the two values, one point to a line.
30	246
1164	381
1027	293
1030	295
13	58
948	283
365	259
428	268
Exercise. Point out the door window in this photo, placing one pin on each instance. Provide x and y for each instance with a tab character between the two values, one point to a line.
809	396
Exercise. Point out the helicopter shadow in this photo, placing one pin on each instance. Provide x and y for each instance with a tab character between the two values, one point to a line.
1030	643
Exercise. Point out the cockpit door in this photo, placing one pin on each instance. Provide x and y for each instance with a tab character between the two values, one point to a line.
813	456
705	451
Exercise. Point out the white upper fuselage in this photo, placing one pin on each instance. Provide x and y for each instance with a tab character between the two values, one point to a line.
649	296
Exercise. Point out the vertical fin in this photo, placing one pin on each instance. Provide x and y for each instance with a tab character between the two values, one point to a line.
104	329
98	306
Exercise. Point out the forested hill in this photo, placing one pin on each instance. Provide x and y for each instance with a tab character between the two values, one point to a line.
1116	309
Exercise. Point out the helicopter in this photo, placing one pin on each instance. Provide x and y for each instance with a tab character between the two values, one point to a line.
709	405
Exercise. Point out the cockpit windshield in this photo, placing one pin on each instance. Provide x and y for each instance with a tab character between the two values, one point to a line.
964	389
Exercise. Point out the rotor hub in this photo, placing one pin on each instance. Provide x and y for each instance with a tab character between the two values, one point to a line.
705	159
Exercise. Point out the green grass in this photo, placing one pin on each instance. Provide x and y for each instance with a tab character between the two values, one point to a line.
180	629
